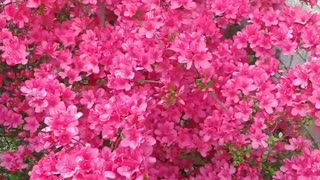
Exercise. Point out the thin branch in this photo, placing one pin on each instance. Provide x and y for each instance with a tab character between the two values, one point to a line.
291	60
102	14
283	64
78	142
149	81
305	60
214	97
278	56
152	81
275	79
311	137
275	127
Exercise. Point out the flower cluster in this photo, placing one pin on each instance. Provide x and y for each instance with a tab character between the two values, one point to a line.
157	89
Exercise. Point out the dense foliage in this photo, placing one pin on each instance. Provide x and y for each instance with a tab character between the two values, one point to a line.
157	89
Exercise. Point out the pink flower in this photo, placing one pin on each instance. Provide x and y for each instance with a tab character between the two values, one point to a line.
125	171
39	142
301	77
268	102
149	28
14	52
66	35
6	160
19	14
241	40
288	47
132	138
315	98
230	92
89	1
38	104
72	74
299	109
298	144
270	18
259	123
9	118
300	167
309	37
33	3
12	162
130	9
90	79
180	44
203	148
123	69
32	124
118	83
202	60
63	124
66	166
245	84
37	3
243	111
188	4
109	131
258	139
165	132
88	99
67	137
36	95
226	172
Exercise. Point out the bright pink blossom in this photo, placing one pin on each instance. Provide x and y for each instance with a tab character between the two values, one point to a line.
268	102
32	124
89	1
301	77
14	52
258	139
169	89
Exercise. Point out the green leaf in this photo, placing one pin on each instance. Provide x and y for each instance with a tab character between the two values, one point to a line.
14	177
271	170
252	59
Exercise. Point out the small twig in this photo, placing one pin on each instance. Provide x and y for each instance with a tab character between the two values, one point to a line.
303	25
291	60
78	142
305	60
275	79
149	81
214	97
310	136
275	127
102	13
278	56
284	66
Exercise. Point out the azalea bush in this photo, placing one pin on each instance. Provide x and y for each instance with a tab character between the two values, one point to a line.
157	89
